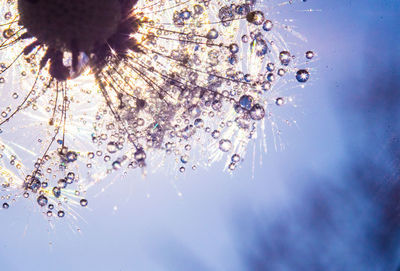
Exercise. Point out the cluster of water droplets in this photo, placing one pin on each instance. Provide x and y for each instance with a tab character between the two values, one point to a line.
207	80
203	88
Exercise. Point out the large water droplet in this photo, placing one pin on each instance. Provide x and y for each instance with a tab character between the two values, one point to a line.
246	102
302	76
255	17
257	112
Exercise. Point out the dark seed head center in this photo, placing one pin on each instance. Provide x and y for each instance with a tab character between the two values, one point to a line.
69	25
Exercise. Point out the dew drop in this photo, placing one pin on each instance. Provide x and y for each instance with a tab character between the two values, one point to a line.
116	165
61	214
309	54
84	202
257	112
235	158
8	15
57	192
212	34
215	134
71	156
268	25
285	58
8	33
112	147
279	101
270	67
255	17
42	200
302	76
225	145
246	102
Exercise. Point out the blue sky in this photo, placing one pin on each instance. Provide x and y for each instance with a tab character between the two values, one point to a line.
141	224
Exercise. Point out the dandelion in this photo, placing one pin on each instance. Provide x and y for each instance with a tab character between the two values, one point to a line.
104	85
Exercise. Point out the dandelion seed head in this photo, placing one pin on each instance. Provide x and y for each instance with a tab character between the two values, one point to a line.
163	85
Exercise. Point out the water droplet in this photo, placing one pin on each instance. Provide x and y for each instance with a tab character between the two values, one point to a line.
198	9
260	47
71	156
185	14
61	214
235	158
8	33
281	72
270	67
255	17
215	134
257	112
246	102
42	200
285	58
302	76
57	192
116	165
270	77
70	177
268	25
225	145
84	202
279	101
184	159
266	86
309	54
112	147
140	155
212	34
62	183
8	15
233	48
199	123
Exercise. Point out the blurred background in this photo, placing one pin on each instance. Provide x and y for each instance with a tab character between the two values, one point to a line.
329	201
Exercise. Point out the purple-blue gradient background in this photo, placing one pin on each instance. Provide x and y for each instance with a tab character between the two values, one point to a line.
326	202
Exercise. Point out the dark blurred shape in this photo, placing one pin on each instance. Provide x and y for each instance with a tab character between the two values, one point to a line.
352	220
